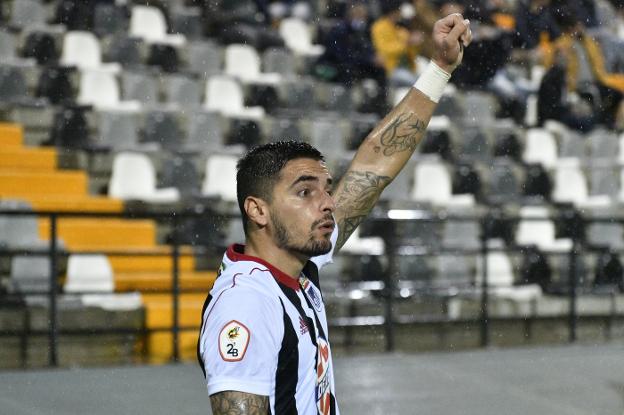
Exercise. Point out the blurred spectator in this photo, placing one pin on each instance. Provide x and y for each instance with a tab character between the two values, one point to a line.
583	10
423	21
534	24
349	55
584	87
396	46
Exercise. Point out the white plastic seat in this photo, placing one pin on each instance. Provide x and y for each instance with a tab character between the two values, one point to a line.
225	95
297	36
134	178
432	183
101	89
540	147
539	230
82	49
571	186
113	302
373	245
149	24
500	278
243	62
220	178
90	273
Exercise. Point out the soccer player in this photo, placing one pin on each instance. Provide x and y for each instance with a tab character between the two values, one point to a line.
263	343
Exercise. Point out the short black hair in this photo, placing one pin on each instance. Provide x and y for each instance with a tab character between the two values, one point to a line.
259	170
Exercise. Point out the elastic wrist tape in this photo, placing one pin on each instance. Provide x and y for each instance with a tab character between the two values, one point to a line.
433	81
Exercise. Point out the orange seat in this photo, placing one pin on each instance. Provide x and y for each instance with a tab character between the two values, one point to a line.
75	203
11	134
140	264
160	280
96	234
158	308
13	158
23	184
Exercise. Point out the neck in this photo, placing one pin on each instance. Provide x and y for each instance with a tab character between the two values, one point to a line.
289	263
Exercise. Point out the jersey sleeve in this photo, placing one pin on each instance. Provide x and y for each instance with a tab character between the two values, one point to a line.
241	343
323	260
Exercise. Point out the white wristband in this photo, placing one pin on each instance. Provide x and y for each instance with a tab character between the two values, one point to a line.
433	81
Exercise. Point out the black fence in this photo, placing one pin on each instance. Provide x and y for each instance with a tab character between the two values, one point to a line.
380	223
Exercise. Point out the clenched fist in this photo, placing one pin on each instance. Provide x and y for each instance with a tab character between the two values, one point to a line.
450	35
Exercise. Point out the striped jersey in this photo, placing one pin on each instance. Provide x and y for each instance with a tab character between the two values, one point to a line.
265	333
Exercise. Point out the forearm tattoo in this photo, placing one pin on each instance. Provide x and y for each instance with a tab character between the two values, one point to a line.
239	403
357	194
402	134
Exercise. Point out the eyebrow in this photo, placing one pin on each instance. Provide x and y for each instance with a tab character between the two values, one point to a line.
306	178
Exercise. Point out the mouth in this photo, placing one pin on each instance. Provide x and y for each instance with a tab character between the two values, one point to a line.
327	226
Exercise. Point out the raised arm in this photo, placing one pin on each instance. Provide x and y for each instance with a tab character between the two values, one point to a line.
392	142
238	403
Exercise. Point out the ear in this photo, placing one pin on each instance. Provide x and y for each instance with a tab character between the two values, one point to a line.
257	210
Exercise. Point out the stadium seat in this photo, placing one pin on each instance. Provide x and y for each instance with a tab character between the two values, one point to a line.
204	58
603	181
414	268
572	145
475	144
540	147
109	19
609	272
82	49
286	129
538	183
535	228
461	235
357	245
501	279
124	50
205	132
454	270
7	46
399	189
28	14
70	129
55	85
297	36
220	177
243	132
300	94
225	95
149	24
571	186
164	57
243	62
30	274
432	183
183	91
605	235
280	61
235	232
603	145
180	172
335	97
101	89
113	302
20	232
187	21
162	128
89	273
13	88
326	134
134	178
504	186
139	86
117	129
480	108
507	145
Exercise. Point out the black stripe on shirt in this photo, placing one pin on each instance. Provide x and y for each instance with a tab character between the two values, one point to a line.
201	331
287	373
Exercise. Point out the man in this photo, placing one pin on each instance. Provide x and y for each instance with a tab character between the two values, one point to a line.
263	341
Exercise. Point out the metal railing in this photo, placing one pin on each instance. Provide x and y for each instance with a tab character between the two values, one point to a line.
388	286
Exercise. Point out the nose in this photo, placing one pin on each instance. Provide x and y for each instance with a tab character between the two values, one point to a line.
328	204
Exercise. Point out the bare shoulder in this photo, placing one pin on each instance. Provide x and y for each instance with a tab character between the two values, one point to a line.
239	403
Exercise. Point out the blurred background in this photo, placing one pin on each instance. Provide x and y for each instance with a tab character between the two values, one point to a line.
121	123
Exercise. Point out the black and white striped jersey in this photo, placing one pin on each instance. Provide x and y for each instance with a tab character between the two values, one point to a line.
265	333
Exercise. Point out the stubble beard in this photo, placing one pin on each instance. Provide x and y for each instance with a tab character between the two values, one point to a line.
284	240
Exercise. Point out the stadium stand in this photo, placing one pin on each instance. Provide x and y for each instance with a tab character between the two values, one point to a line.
153	104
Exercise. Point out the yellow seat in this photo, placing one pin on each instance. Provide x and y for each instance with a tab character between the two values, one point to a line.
140	264
75	203
11	135
97	234
158	308
13	158
159	280
23	184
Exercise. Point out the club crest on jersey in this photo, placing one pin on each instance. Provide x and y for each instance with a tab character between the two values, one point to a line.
233	341
323	379
315	297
